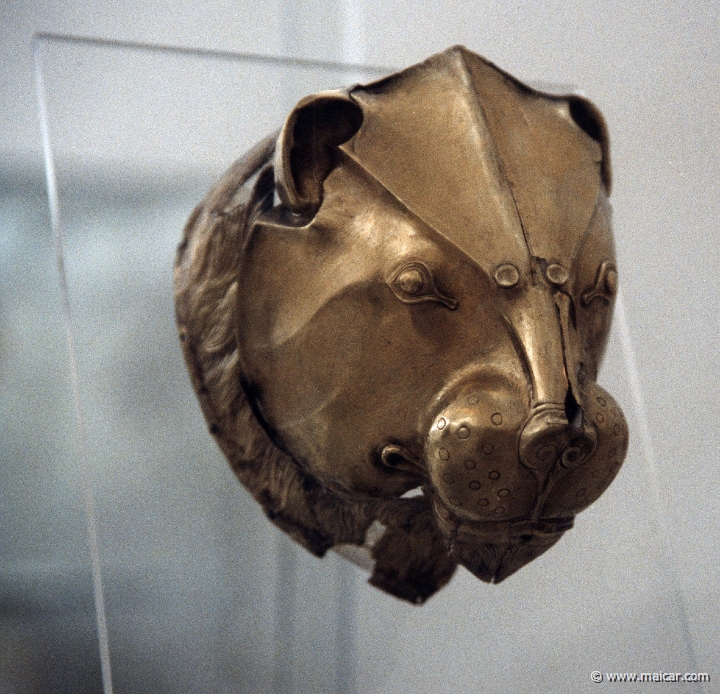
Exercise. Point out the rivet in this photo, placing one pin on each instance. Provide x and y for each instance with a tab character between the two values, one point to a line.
483	502
499	510
441	423
474	485
600	417
503	492
496	419
487	449
556	274
448	478
470	464
494	475
443	453
581	492
602	401
616	429
507	276
473	400
463	432
455	501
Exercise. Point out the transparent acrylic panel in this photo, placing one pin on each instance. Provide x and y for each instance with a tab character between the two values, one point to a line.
201	592
48	639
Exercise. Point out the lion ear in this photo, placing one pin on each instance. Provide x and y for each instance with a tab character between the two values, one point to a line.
307	147
587	116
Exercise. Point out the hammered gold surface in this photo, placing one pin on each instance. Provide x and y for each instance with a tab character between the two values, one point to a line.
411	286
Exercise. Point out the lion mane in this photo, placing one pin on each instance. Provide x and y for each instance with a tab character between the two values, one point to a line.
409	560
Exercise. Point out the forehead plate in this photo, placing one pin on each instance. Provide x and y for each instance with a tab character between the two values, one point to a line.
502	171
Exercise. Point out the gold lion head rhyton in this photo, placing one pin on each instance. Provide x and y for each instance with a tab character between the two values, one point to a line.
393	312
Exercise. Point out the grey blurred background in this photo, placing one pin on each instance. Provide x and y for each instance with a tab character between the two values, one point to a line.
202	595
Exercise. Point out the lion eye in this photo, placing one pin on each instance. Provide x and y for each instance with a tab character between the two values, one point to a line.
606	284
412	283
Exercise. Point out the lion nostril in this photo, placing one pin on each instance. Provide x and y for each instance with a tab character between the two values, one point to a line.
546	453
571	456
555	434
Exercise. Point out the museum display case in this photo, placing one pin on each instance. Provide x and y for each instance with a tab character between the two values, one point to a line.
132	524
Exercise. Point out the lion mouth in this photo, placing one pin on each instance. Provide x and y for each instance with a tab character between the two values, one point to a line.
494	550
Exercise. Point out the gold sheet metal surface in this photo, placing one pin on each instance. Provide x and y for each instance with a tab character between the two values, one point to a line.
393	312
